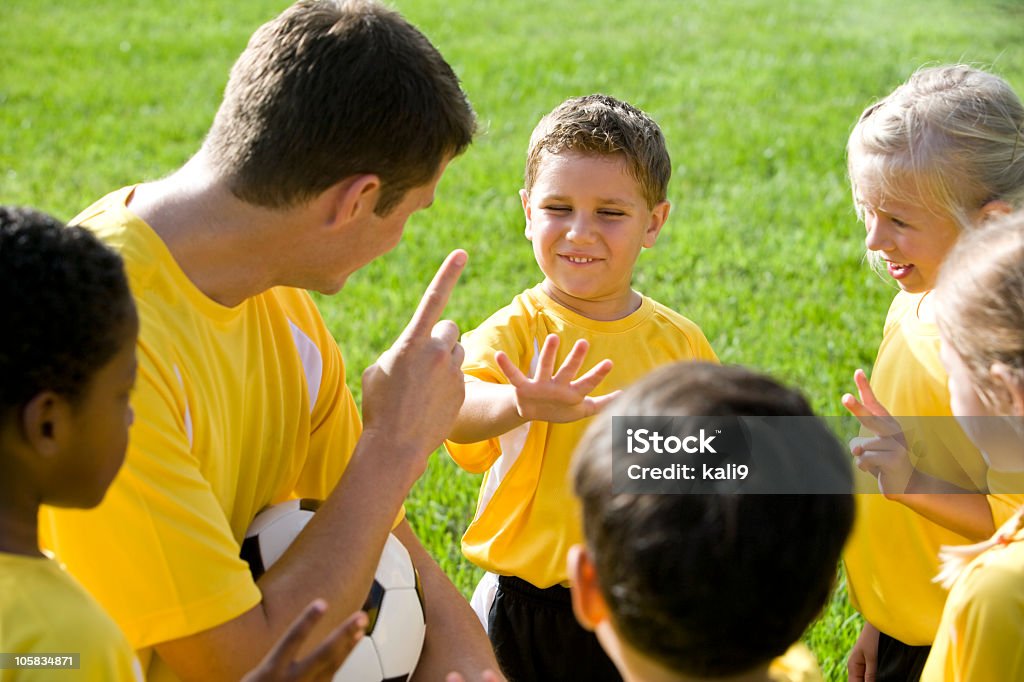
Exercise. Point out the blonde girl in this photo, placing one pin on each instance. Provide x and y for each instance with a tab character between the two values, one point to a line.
980	315
940	155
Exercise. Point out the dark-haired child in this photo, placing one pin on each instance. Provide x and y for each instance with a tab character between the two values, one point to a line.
67	367
715	585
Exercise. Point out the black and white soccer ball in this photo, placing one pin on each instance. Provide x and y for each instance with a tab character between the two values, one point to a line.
394	636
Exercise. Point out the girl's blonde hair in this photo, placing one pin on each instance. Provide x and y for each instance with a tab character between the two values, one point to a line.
980	313
955	558
956	133
981	317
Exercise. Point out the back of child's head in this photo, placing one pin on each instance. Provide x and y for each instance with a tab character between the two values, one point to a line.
67	307
712	585
334	88
602	125
981	309
952	135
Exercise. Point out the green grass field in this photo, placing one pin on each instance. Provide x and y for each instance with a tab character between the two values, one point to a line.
756	98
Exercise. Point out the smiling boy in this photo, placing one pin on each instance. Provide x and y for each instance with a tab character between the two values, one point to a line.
595	194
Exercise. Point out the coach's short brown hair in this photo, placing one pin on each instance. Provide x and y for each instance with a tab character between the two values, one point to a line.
334	88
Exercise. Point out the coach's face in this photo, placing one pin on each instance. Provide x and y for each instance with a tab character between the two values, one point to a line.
369	235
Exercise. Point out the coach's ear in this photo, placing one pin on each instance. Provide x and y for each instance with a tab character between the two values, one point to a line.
587	602
351	198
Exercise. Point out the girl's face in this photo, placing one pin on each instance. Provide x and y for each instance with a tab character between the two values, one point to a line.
995	434
906	233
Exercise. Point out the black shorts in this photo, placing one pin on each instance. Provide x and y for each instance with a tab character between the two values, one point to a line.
899	662
536	637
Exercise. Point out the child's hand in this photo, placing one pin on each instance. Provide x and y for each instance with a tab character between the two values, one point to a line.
885	455
862	665
282	663
553	396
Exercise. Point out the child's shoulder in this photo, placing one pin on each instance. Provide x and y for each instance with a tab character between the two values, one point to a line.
671	318
35	588
669	322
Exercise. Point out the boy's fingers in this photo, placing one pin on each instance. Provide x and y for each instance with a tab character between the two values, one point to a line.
332	652
589	381
546	359
601	402
435	298
509	369
573	361
283	652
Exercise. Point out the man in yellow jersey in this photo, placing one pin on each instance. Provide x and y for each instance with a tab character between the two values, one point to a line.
336	124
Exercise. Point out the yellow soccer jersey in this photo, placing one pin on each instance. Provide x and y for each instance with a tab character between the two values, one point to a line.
527	517
979	637
892	554
44	611
235	408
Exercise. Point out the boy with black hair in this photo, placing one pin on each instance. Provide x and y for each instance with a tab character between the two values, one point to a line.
710	585
66	373
67	365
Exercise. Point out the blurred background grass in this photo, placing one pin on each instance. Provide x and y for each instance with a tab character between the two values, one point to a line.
756	98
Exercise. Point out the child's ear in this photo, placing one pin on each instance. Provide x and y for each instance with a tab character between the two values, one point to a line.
46	422
350	198
587	602
994	209
659	214
1013	383
524	196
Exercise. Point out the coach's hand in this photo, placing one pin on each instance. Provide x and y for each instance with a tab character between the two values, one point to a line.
413	393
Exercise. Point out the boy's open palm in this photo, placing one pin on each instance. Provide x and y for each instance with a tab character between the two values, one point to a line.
555	396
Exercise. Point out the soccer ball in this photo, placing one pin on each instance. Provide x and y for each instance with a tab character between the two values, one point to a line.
394	636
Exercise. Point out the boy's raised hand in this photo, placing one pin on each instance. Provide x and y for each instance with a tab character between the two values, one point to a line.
554	396
885	455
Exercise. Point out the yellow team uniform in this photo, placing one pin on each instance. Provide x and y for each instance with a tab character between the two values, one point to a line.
979	637
235	408
526	517
44	611
892	554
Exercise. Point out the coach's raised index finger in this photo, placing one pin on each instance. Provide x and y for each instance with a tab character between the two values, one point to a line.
434	300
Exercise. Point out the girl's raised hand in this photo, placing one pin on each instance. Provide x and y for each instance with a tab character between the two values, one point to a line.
885	455
555	396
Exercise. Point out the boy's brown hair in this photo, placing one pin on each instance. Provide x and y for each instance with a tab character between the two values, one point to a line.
602	125
334	88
